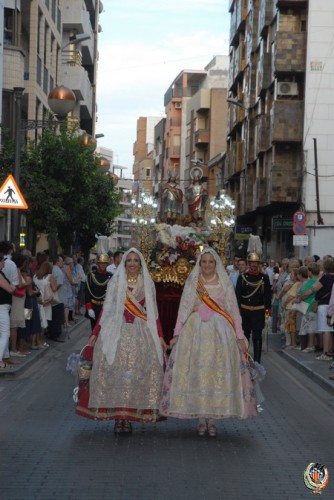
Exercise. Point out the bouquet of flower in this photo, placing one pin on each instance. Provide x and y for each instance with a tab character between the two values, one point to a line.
174	242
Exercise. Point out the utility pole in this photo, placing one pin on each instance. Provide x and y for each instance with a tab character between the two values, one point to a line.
14	232
320	221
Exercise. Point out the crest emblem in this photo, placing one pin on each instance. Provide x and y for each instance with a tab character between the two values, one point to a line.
316	477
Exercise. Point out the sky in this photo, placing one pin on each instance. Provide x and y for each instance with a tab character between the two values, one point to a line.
143	46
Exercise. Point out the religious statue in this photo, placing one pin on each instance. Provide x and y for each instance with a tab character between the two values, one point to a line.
172	197
196	196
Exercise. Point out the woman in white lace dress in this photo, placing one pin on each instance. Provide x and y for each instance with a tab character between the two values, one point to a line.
126	379
207	375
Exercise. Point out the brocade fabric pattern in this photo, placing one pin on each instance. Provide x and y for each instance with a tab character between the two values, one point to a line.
207	375
131	386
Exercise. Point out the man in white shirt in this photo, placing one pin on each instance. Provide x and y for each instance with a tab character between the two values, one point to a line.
7	248
270	271
118	256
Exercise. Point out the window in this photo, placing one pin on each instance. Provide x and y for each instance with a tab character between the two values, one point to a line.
8	30
148	173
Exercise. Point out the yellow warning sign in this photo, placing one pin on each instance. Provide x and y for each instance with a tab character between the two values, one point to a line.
11	196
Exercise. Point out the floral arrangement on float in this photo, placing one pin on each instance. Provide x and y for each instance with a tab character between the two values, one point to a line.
175	252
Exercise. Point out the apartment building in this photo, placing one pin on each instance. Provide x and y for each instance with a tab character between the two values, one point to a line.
194	130
120	239
279	99
143	166
206	124
48	43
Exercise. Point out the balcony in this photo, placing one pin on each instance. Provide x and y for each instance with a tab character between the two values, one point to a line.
76	78
251	37
267	12
239	156
236	158
235	115
251	154
76	17
199	103
291	3
201	137
262	134
289	52
13	63
286	121
260	193
238	62
263	74
238	19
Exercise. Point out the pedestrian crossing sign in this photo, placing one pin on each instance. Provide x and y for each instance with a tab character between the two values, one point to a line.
11	196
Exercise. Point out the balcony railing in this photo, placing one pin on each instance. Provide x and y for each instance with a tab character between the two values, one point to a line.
201	136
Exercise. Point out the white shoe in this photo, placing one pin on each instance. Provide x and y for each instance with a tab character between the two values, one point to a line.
17	354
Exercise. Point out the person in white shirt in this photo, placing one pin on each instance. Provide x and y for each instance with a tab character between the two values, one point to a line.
270	271
118	256
7	248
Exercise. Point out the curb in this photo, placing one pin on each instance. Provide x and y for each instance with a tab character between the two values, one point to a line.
27	362
312	374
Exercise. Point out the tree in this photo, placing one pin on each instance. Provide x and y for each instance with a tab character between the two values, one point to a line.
7	154
68	197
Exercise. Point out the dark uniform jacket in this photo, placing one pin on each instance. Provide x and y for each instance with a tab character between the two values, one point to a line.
95	290
254	298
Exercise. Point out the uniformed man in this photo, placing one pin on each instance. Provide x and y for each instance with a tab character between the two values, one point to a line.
95	289
254	299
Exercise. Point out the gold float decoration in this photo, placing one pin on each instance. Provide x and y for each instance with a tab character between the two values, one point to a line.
143	215
222	220
175	274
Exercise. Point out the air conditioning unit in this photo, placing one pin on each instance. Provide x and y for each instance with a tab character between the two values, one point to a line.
178	105
287	88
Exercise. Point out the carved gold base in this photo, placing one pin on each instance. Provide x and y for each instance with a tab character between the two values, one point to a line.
175	274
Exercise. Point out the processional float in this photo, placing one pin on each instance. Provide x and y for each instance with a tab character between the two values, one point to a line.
170	245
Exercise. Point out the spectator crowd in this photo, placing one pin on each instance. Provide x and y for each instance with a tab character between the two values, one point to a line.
39	299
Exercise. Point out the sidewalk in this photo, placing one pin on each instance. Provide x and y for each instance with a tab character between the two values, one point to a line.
34	355
305	362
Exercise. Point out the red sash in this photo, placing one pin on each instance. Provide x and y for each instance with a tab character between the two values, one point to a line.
205	297
134	309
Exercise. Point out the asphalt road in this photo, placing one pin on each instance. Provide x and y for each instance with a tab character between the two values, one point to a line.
47	452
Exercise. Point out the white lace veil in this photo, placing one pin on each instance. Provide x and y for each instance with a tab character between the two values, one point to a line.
113	308
189	290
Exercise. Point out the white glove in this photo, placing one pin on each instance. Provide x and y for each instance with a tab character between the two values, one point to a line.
91	313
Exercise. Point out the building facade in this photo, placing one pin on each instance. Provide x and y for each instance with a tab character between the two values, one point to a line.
143	165
48	43
278	101
194	129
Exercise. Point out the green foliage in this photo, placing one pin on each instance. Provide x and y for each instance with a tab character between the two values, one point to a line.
66	193
7	155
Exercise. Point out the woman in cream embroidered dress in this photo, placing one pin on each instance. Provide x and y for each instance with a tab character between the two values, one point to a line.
207	376
126	379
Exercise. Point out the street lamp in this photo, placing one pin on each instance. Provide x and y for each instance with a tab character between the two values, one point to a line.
61	100
222	220
236	102
143	216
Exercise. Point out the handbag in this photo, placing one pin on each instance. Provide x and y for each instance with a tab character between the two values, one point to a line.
301	307
27	313
19	292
